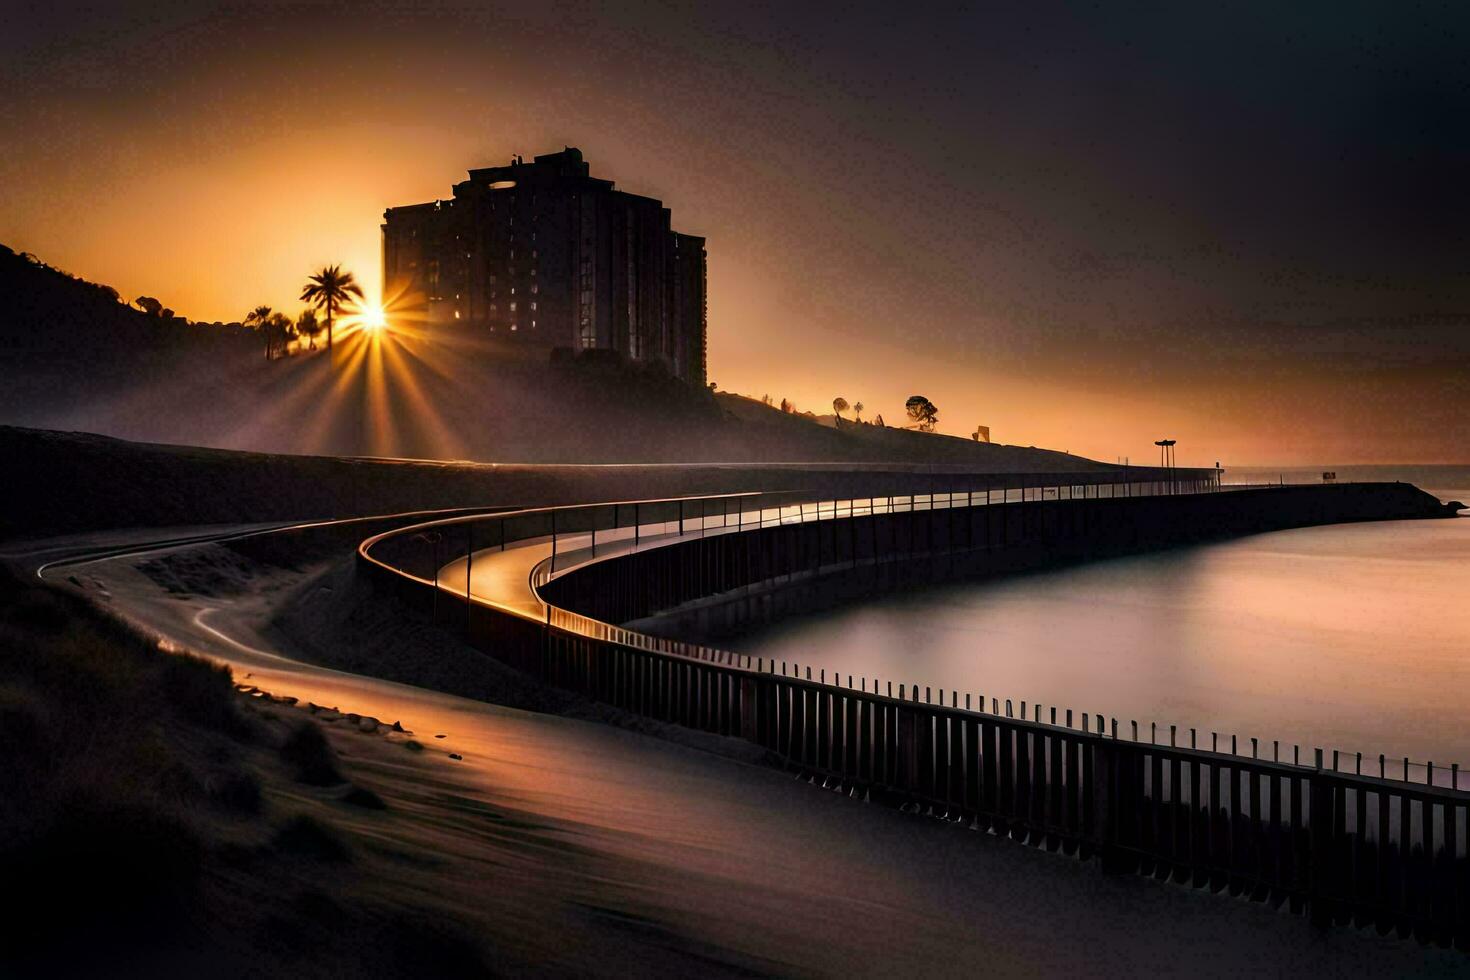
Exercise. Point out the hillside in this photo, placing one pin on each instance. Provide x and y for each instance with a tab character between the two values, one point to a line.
76	358
897	444
74	481
66	342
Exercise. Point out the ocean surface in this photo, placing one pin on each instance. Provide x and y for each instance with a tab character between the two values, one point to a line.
1351	637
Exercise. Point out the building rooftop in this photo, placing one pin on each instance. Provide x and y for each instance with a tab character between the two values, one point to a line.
567	163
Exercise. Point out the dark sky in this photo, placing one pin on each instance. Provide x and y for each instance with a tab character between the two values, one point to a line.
1086	225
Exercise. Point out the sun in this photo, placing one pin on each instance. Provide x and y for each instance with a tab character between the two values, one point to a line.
373	318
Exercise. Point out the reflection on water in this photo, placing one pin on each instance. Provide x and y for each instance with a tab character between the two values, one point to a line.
1354	637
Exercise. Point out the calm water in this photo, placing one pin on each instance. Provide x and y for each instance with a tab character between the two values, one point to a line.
1355	637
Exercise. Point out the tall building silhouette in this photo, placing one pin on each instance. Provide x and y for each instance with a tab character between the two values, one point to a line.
545	255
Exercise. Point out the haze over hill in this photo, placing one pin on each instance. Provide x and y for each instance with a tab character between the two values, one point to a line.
78	358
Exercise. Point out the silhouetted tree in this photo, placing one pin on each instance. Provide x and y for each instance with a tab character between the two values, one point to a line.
259	320
328	290
922	411
149	305
857	410
281	331
786	406
839	405
765	399
308	326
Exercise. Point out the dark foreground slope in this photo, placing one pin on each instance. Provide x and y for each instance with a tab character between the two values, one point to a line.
76	358
154	822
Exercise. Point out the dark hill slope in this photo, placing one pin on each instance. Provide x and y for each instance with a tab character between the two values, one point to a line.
75	358
60	482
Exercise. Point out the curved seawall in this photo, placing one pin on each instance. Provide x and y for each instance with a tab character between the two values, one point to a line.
1359	844
844	558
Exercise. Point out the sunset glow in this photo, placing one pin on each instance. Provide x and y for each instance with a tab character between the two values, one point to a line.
372	317
1006	286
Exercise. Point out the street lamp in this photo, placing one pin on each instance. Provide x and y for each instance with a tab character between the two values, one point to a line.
1166	459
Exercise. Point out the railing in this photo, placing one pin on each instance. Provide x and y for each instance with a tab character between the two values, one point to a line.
445	538
600	629
1347	844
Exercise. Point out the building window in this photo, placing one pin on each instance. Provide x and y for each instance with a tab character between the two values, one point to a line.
586	329
635	334
512	306
533	306
512	326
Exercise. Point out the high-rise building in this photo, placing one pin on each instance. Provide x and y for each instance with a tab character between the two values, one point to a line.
545	255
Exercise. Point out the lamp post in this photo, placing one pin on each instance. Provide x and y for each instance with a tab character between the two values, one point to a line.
1166	460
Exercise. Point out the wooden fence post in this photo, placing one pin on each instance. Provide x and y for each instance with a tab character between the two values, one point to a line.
1319	824
908	751
750	708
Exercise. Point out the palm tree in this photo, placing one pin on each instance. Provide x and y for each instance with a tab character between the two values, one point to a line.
308	326
259	319
328	290
857	409
839	405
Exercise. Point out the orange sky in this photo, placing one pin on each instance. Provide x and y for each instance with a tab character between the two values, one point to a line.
876	227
